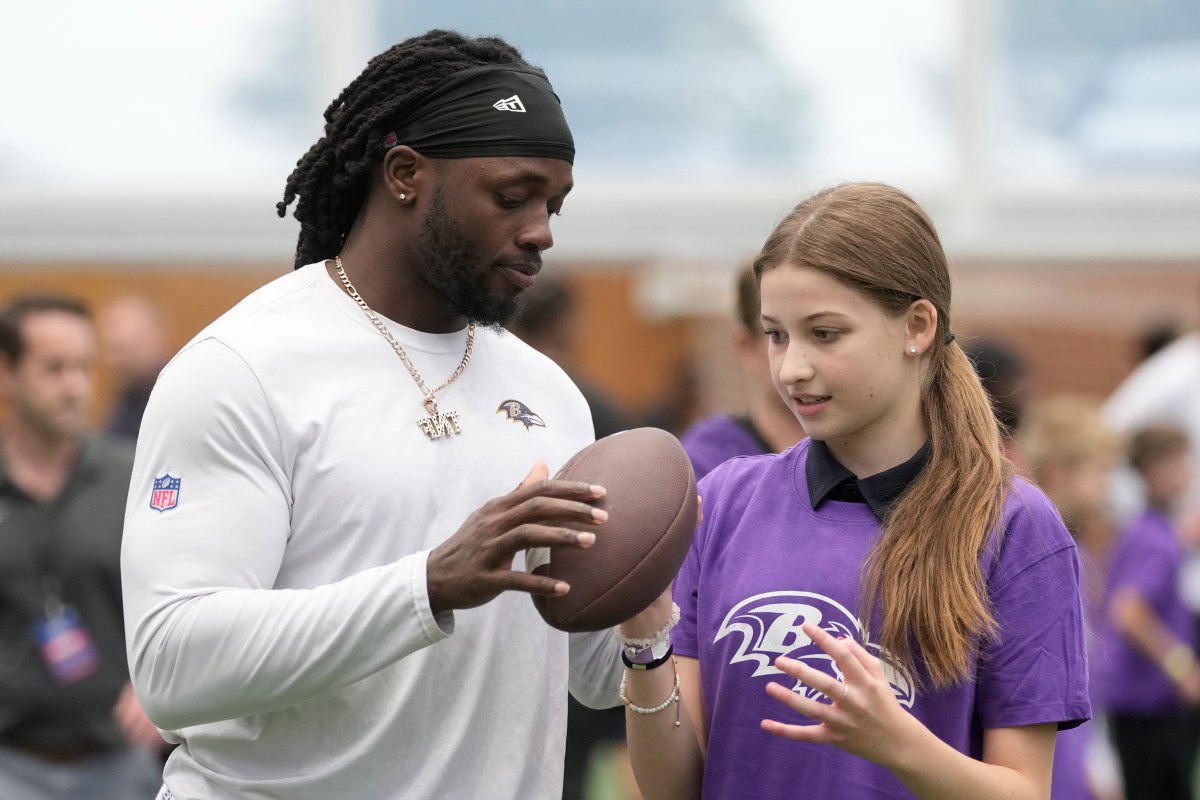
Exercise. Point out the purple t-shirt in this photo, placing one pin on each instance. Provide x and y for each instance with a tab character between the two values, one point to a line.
1147	558
716	439
764	561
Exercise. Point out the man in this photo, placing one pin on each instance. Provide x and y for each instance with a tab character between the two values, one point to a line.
548	322
70	725
322	523
1005	377
134	345
769	426
1162	389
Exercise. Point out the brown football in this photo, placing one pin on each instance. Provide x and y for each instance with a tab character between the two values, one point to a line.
651	504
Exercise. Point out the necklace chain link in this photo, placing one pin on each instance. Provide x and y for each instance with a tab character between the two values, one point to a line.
429	395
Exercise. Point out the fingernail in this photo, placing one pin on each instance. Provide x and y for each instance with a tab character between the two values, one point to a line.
598	490
586	539
561	588
599	514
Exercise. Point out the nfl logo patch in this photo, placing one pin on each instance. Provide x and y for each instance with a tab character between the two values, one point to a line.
165	494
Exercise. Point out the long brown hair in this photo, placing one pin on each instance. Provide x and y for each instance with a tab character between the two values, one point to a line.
924	571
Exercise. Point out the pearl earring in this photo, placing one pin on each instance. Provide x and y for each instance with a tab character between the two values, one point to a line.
912	349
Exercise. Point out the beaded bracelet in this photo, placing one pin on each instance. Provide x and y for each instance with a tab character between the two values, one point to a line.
673	697
634	646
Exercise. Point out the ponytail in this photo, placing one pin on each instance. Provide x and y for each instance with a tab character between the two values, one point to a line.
925	570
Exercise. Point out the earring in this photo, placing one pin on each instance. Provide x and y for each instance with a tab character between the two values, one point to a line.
403	196
912	349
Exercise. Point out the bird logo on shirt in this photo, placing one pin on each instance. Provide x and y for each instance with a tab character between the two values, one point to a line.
769	626
517	411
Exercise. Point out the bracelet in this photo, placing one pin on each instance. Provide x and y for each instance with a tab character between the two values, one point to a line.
654	663
635	646
1178	662
673	697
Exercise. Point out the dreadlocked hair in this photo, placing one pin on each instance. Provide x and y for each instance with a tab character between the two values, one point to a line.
331	178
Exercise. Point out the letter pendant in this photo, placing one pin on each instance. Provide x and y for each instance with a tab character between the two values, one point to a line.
440	424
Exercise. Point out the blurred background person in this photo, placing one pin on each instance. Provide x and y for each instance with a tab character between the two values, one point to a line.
549	323
70	725
1150	681
1156	336
768	424
135	344
1070	452
1005	377
1163	389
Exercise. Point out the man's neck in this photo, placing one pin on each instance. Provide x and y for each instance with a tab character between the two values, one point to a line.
37	464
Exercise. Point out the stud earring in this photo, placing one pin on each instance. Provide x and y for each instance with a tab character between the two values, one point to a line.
912	349
403	196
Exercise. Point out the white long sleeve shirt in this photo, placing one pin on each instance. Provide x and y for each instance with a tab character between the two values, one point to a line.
275	596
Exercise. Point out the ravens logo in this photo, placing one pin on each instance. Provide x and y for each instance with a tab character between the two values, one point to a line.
517	411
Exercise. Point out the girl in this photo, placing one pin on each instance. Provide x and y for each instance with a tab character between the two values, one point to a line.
881	610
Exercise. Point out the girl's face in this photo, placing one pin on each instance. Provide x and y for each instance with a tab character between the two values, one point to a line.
843	364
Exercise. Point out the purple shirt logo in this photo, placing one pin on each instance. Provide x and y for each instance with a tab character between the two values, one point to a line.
769	626
165	494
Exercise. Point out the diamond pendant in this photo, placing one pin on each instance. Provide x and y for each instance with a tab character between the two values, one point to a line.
437	424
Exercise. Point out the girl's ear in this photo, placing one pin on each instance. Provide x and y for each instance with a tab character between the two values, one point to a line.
921	326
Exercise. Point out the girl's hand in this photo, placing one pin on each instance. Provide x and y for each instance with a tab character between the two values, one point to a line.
864	717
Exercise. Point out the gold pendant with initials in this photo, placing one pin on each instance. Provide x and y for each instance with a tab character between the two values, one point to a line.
439	425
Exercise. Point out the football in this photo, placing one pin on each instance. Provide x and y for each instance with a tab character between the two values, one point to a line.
651	503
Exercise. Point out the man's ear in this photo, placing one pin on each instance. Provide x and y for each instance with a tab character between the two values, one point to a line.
405	173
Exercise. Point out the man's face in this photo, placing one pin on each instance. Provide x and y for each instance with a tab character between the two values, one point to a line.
482	236
50	388
133	340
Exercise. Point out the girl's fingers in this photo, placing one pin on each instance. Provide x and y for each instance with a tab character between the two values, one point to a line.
797	733
827	685
841	652
798	702
870	663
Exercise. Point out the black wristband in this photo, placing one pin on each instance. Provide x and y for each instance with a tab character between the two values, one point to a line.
655	664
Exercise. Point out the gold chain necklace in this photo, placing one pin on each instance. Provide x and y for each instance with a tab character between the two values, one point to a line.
437	424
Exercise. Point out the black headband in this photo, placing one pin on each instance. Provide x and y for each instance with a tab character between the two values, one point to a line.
492	110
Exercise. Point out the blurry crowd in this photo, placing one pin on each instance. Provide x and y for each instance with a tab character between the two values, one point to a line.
1119	468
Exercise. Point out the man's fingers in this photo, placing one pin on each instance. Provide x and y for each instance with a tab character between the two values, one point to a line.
530	535
534	584
552	511
538	483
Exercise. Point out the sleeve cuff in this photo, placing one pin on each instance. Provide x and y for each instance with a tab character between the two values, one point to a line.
435	626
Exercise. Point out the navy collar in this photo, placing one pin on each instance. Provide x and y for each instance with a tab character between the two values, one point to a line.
829	480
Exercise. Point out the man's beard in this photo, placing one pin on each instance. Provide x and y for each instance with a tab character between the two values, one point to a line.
452	264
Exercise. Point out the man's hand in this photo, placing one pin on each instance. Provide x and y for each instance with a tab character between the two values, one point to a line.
476	563
129	715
